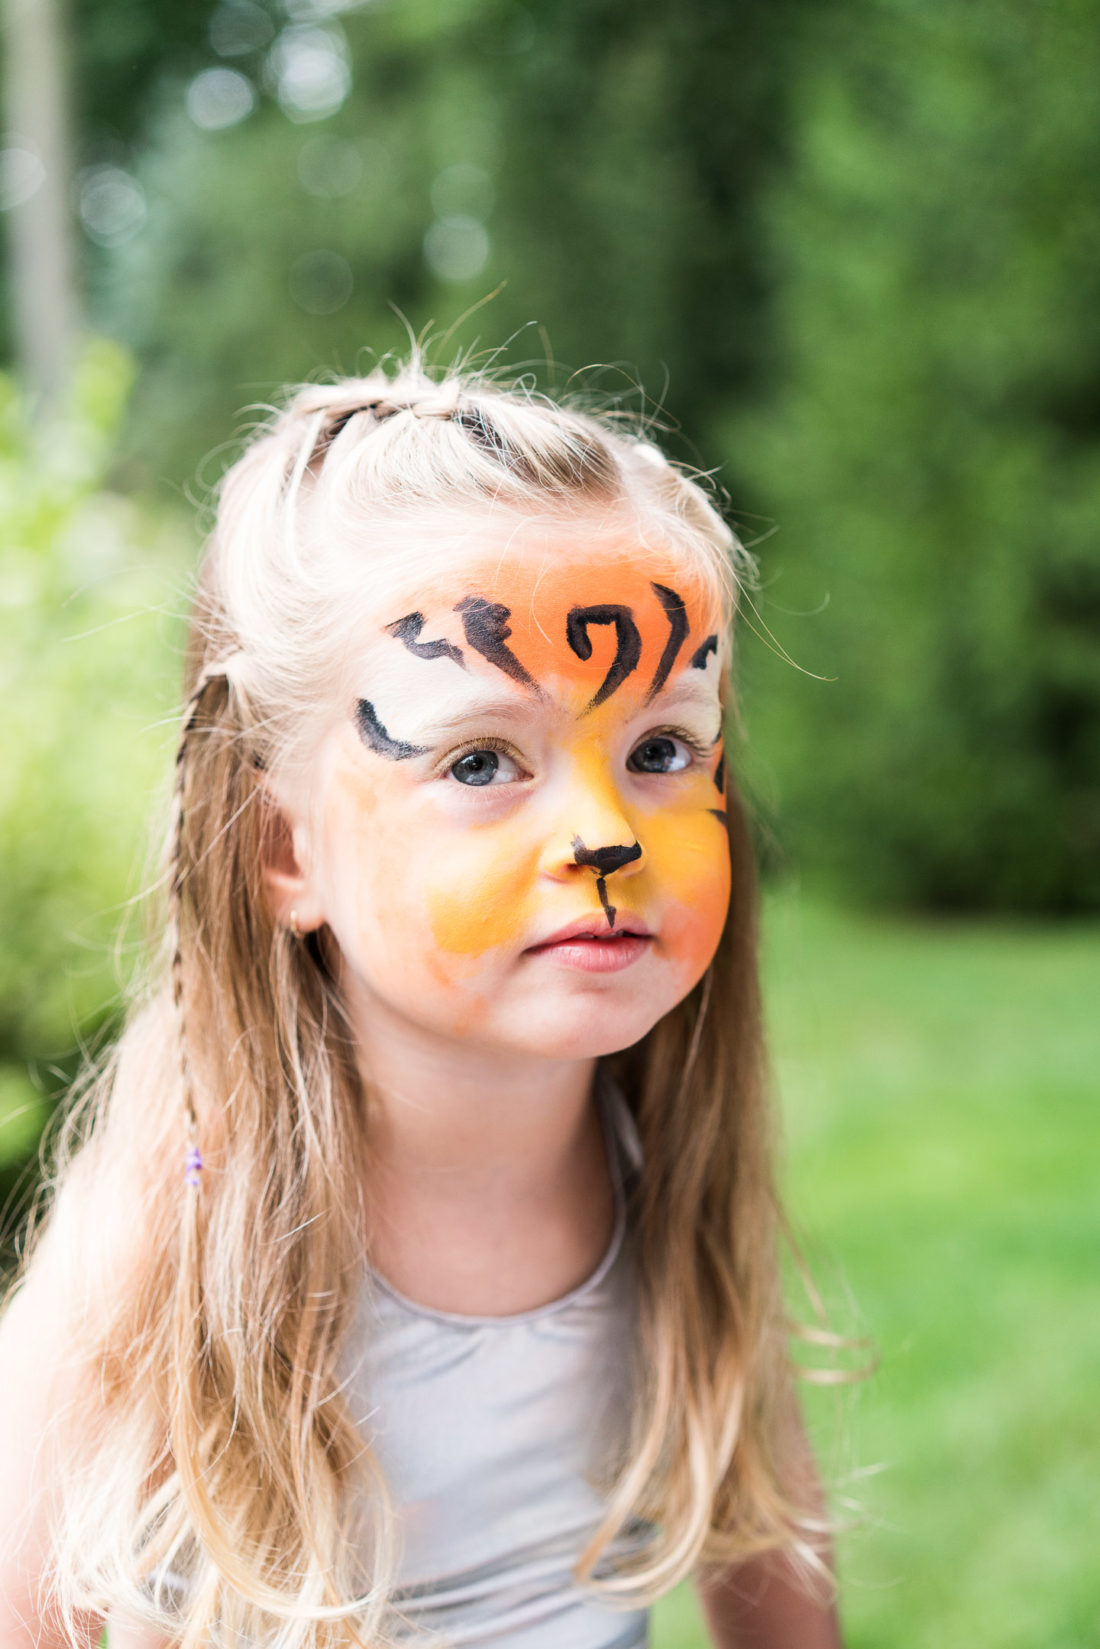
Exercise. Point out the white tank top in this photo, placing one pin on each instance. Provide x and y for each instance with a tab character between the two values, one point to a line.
487	1430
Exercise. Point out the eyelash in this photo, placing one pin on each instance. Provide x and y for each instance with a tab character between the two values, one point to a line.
692	740
501	746
491	742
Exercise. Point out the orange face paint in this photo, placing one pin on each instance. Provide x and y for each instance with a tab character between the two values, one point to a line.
533	747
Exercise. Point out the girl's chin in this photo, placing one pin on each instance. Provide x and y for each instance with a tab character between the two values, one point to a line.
573	1031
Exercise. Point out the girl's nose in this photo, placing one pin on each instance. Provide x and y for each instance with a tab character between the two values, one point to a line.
592	835
605	860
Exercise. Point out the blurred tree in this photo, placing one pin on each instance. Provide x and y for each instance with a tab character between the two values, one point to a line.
89	655
121	50
36	187
601	160
931	449
854	237
79	76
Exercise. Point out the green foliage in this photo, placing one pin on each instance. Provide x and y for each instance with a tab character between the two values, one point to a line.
931	452
88	661
857	239
603	156
119	50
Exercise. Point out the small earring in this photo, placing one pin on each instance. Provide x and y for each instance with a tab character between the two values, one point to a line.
294	928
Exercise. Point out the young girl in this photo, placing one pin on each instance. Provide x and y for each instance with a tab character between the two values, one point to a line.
412	1269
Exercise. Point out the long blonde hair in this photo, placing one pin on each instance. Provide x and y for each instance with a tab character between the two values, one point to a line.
214	1481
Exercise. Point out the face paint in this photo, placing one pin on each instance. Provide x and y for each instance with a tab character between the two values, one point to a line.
487	630
605	860
677	631
628	644
702	653
375	737
407	630
516	830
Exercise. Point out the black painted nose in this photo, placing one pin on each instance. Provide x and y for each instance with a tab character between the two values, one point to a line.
605	860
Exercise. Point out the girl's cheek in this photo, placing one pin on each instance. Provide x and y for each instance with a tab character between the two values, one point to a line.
688	866
479	899
421	895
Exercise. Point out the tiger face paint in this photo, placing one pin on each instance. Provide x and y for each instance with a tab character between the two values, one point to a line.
519	831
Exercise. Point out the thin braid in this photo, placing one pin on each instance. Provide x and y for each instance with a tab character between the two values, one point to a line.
193	1160
380	407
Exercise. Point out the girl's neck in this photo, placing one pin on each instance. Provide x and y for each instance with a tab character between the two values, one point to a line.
437	1108
486	1179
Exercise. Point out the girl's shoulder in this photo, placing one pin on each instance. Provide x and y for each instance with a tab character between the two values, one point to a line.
40	1377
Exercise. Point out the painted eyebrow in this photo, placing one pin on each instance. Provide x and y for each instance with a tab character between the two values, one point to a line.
512	709
685	691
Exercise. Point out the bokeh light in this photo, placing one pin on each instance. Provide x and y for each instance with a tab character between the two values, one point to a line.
456	248
21	172
309	72
220	97
321	282
112	204
238	27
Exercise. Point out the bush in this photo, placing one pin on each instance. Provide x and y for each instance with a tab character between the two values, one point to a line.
931	453
88	639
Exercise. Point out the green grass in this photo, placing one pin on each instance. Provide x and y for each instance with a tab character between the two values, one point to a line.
939	1089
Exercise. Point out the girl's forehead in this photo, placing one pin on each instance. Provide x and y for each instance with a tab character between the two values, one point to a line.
541	574
578	625
538	590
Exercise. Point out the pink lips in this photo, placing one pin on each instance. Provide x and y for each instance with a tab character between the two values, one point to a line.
591	947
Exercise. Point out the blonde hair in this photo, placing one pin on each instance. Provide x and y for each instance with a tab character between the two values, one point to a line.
209	1438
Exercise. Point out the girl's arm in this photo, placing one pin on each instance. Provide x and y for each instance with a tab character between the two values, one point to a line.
759	1604
762	1603
34	1340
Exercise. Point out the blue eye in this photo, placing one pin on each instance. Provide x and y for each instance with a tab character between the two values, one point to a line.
481	767
659	754
476	768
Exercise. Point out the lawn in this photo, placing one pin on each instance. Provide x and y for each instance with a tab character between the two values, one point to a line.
939	1089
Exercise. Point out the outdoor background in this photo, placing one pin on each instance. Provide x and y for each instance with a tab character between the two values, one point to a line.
849	251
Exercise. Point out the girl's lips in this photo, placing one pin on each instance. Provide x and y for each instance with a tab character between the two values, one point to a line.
608	951
595	926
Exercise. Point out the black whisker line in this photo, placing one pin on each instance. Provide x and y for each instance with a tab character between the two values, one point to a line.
608	907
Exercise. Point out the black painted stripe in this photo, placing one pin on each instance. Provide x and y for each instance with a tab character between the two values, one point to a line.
487	630
628	643
407	630
676	614
606	860
375	737
608	907
701	654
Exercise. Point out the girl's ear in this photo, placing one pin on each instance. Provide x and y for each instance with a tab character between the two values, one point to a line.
285	866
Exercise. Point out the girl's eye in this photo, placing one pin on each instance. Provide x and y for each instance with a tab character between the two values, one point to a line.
479	767
660	753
